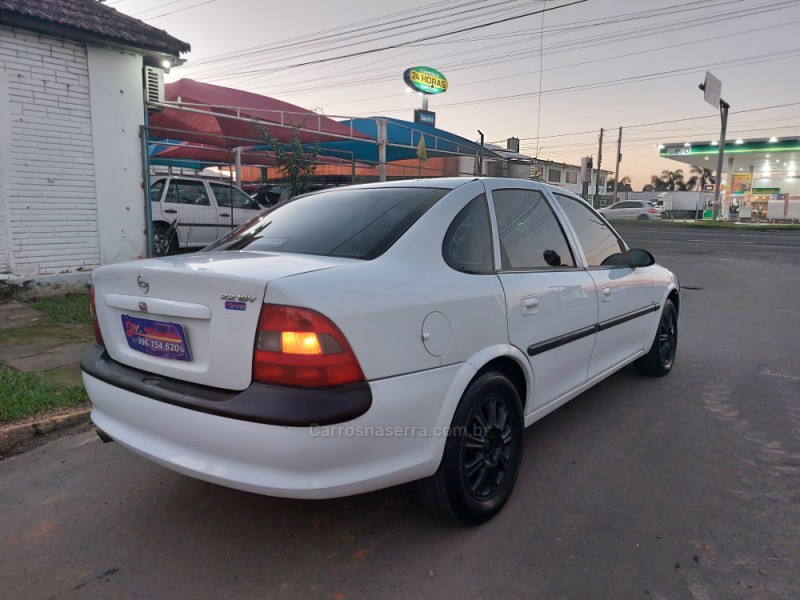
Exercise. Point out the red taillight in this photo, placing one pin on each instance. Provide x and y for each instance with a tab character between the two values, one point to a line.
98	336
653	210
301	348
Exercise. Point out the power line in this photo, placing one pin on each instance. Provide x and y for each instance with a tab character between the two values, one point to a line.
634	34
554	31
734	63
417	40
174	12
578	64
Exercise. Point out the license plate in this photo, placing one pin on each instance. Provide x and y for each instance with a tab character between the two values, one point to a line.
156	338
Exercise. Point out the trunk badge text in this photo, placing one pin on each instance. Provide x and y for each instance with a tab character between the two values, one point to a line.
239	297
143	285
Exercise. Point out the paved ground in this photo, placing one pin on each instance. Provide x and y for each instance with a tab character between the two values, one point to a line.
683	487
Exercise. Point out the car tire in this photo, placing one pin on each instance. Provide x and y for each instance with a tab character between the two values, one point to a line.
643	217
165	240
661	356
482	455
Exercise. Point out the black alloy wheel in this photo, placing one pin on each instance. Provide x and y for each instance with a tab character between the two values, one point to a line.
482	455
488	447
659	360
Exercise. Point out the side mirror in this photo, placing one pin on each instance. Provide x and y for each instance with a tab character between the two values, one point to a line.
637	257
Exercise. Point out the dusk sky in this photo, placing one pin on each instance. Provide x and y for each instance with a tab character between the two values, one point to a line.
597	63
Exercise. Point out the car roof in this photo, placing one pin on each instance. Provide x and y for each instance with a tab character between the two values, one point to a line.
451	183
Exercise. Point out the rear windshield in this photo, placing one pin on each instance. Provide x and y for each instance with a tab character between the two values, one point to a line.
352	223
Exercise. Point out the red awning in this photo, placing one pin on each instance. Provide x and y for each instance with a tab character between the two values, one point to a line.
206	110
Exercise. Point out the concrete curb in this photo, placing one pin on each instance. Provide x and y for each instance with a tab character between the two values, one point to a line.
16	434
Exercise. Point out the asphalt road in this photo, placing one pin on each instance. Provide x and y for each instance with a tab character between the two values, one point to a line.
682	487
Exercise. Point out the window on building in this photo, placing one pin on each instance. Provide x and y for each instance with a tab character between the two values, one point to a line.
571	177
554	175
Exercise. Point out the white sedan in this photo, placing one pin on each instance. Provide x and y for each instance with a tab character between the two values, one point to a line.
632	209
367	336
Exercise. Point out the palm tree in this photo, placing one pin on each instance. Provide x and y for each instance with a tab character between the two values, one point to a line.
700	179
657	183
673	180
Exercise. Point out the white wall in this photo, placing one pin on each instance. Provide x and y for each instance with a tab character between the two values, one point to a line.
71	193
117	109
5	218
48	196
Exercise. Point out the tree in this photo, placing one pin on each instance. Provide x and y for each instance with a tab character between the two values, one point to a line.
669	181
624	185
699	179
649	188
294	162
657	184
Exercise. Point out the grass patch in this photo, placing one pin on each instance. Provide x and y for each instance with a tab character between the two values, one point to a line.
72	308
25	395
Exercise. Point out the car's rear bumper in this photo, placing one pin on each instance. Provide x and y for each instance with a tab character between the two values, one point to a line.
397	440
262	403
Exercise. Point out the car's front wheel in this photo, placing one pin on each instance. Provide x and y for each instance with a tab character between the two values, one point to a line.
482	455
659	360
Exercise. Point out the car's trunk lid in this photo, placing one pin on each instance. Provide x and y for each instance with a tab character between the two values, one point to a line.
192	317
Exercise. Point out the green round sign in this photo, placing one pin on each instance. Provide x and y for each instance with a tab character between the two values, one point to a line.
425	80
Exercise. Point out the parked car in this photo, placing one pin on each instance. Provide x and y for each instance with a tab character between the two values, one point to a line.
270	195
367	336
632	209
192	212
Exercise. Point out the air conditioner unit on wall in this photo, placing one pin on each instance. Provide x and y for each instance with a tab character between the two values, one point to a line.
153	85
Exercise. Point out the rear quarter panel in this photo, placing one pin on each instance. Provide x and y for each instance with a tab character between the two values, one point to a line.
380	305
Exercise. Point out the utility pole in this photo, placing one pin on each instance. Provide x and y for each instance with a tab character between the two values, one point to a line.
619	160
480	157
596	197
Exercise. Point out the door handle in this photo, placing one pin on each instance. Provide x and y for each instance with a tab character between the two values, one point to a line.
606	294
170	211
529	305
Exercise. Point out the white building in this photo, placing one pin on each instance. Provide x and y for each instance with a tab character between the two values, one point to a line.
71	107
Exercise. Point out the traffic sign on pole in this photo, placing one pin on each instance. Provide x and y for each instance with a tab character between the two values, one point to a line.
712	90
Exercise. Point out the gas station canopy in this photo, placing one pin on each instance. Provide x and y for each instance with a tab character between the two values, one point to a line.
767	158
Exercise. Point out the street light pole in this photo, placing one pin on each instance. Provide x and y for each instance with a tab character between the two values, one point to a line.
723	110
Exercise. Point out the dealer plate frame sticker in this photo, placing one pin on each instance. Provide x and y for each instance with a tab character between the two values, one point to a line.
156	338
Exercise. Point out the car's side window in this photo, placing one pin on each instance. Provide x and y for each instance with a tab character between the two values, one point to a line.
598	241
184	191
155	191
467	244
223	195
530	234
